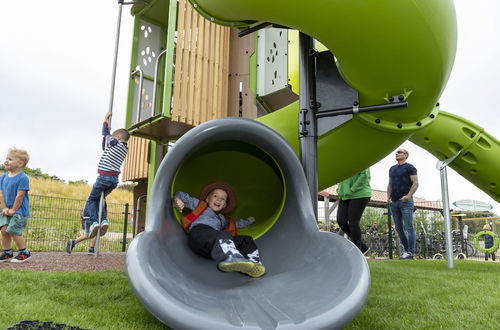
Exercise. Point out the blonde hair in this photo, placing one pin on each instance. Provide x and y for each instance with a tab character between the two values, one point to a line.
122	133
487	227
20	154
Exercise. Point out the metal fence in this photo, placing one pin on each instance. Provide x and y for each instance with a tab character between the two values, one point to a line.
429	226
54	220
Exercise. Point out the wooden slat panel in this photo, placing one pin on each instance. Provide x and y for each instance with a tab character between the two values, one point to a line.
177	114
211	74
136	163
199	70
202	68
206	71
185	65
192	67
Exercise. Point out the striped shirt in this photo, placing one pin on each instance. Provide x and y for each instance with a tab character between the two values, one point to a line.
114	154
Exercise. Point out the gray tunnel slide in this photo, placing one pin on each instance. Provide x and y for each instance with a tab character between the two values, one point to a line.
314	280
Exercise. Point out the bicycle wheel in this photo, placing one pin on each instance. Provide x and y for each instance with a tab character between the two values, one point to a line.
470	250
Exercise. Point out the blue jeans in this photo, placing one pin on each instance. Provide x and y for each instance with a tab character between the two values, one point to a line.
402	213
103	184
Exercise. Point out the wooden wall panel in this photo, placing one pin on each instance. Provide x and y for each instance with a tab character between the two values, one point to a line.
136	163
201	68
241	50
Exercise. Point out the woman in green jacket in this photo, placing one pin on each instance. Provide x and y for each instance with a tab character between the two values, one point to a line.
354	194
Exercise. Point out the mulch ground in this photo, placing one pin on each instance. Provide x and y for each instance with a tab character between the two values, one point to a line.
77	261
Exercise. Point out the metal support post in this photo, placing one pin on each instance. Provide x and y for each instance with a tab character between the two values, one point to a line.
125	222
137	214
307	116
441	166
99	221
326	207
447	216
389	229
115	58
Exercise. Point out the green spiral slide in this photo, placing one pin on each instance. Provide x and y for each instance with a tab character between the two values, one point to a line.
383	48
314	280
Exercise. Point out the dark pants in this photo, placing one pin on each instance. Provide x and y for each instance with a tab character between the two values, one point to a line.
220	245
103	184
492	254
348	217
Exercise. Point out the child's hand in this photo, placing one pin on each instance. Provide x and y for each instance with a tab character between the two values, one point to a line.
179	204
108	115
251	219
10	212
5	211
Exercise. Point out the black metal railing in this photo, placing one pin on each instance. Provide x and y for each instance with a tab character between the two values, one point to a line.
54	220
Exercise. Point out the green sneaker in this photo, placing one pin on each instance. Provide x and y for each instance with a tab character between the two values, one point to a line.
242	265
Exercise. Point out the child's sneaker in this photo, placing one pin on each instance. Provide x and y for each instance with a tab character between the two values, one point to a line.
242	265
93	229
258	270
6	257
70	245
91	251
104	227
22	257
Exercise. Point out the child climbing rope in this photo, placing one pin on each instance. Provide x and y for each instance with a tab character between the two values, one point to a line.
212	235
115	150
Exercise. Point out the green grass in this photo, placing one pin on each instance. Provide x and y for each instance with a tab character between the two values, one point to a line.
89	300
418	294
425	294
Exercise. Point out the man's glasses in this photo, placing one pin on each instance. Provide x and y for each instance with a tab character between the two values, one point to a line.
400	152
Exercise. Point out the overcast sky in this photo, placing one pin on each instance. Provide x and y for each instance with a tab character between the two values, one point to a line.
56	62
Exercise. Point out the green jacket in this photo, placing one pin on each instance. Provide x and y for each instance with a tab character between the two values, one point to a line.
357	186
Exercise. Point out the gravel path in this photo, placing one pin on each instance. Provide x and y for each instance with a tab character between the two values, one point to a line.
77	261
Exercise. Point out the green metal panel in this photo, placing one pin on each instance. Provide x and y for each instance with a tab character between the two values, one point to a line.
153	165
133	63
161	16
169	59
155	12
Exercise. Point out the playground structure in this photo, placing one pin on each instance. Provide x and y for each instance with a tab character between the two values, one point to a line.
375	67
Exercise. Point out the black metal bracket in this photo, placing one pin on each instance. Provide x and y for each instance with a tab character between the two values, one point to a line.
339	100
357	109
258	27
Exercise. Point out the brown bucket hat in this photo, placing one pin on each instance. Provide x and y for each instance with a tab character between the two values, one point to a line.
231	195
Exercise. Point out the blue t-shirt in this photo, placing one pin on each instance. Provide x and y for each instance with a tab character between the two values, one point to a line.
10	186
400	180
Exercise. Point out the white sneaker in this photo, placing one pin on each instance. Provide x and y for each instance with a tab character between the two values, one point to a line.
93	229
406	255
104	227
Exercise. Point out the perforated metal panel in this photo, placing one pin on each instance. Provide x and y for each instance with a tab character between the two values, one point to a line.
149	45
272	60
148	48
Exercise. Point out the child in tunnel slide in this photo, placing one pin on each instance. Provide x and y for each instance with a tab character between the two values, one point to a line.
212	234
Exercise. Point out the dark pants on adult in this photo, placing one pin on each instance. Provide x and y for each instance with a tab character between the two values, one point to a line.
103	184
349	216
492	254
220	245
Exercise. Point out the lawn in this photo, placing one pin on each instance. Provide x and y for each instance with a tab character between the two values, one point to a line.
418	294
